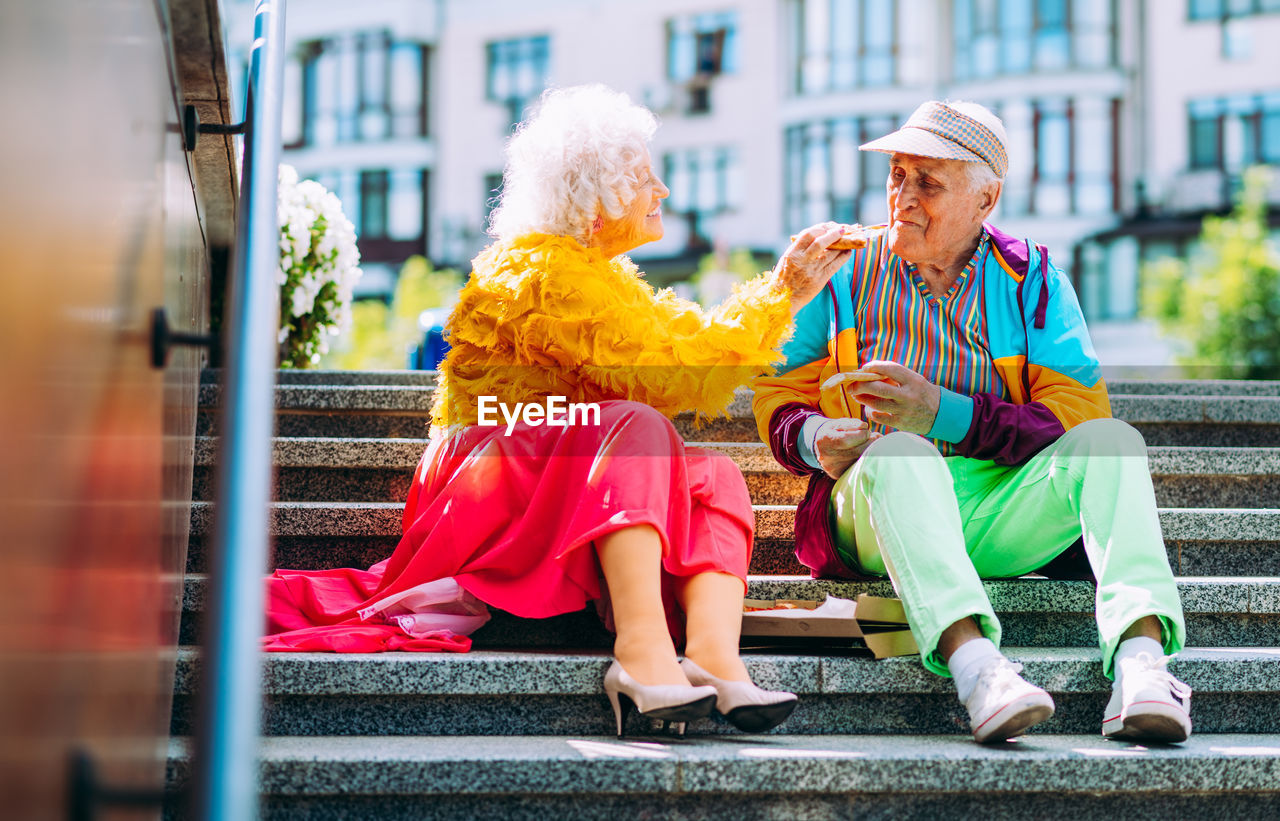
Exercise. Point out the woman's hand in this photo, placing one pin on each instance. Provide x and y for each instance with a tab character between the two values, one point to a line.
839	443
809	262
904	401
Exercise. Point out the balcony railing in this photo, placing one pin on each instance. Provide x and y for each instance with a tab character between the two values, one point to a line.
1197	191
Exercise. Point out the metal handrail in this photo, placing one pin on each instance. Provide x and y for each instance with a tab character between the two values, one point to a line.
225	776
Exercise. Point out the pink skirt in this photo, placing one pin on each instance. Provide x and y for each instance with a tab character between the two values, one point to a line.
512	518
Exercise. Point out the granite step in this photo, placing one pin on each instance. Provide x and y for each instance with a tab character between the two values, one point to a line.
493	692
1200	541
1194	387
377	469
1034	612
1207	421
332	377
1153	386
401	410
755	778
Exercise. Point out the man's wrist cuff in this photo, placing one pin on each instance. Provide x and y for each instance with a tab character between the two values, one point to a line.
955	415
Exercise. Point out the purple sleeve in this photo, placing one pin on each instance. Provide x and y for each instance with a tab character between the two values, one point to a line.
1007	433
814	545
784	436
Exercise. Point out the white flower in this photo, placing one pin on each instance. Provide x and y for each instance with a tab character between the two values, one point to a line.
300	207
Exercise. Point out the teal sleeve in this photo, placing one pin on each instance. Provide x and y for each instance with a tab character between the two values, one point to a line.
812	331
955	414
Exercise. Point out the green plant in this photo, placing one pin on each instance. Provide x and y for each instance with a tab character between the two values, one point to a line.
718	272
381	335
1224	301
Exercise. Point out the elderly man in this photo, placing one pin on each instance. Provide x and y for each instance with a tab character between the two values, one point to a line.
976	441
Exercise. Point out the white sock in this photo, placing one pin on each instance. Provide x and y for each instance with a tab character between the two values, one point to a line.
1132	647
967	662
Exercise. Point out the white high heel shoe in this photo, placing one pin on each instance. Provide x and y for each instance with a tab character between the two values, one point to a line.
746	706
671	703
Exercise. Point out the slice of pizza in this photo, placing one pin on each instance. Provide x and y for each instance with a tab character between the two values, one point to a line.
852	376
854	236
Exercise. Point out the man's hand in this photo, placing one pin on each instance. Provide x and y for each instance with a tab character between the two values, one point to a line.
839	443
809	262
904	401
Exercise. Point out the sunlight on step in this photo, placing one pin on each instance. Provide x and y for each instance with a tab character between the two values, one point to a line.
1245	750
1127	752
620	749
774	752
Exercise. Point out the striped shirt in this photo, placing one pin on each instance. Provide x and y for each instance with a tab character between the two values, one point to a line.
942	338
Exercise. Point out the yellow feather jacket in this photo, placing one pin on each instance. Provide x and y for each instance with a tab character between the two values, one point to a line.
545	316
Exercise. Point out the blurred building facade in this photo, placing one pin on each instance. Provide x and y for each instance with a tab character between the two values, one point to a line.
1128	120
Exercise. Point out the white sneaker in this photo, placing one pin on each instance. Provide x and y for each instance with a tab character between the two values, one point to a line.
1003	705
1147	702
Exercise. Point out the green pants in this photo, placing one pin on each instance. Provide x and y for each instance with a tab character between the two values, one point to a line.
936	526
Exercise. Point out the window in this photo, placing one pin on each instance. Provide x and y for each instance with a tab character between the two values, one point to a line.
1051	173
828	178
704	182
1206	134
1223	9
844	44
998	37
1232	133
388	208
373	110
363	87
517	72
373	204
407	90
292	130
1205	9
1073	165
406	205
392	205
345	185
702	46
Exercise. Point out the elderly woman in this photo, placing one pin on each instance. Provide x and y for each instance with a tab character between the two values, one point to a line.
981	445
527	516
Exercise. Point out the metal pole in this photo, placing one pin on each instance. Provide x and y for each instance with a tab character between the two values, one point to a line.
226	764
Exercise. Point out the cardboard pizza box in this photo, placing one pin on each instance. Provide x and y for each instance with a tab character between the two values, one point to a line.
880	624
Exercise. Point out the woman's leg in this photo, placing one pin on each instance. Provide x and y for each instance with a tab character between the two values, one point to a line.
631	559
712	569
712	604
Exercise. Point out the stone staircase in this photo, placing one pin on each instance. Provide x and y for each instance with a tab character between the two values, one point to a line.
519	727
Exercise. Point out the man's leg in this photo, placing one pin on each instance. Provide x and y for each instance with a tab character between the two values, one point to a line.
906	525
896	515
1094	480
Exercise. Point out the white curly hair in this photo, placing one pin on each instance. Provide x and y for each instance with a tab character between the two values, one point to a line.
576	157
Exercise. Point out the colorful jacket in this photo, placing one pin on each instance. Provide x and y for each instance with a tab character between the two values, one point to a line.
545	316
1041	350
